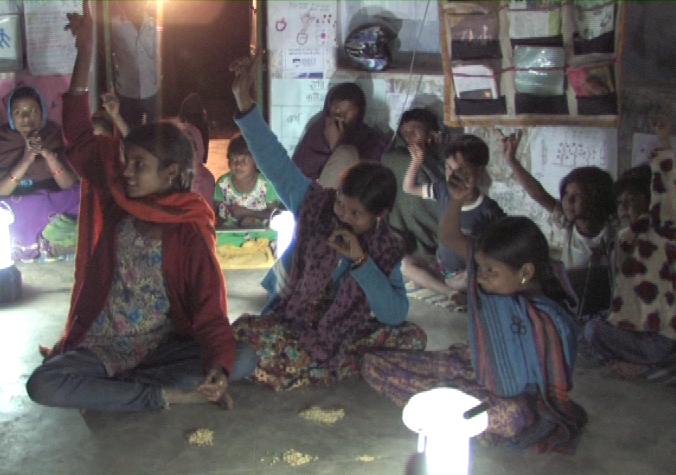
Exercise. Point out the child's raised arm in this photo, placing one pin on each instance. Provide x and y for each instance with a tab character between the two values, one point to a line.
111	103
533	187
450	229
409	183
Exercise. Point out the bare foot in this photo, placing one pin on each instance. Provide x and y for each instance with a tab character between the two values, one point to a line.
460	299
628	370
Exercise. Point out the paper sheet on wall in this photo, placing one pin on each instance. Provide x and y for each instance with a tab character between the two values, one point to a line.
555	151
294	102
301	24
528	22
642	146
49	48
305	63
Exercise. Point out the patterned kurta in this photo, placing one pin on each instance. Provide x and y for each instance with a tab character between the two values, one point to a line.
134	320
645	283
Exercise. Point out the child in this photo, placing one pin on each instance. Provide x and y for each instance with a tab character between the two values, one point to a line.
340	289
148	320
244	198
632	190
641	329
417	219
521	351
586	209
338	138
466	156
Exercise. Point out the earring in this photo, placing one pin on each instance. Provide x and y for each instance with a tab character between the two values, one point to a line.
523	280
171	181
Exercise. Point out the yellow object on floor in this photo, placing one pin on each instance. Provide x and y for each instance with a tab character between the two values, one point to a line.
254	254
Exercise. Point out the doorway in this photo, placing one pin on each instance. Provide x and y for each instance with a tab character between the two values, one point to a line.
200	40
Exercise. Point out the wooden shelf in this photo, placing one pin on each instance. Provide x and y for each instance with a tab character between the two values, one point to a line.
507	87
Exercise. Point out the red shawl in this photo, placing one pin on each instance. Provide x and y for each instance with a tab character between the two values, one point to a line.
103	204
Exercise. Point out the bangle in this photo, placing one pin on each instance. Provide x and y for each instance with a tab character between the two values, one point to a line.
358	262
59	171
79	89
13	178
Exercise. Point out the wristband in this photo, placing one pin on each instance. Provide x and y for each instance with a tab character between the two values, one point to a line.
358	262
59	171
13	178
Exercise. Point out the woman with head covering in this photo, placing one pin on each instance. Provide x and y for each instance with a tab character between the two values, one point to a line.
35	179
339	137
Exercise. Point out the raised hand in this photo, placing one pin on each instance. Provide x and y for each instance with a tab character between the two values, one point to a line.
459	187
111	103
81	26
510	144
417	152
245	73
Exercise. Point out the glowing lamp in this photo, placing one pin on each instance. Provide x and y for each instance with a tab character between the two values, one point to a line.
284	224
10	277
445	419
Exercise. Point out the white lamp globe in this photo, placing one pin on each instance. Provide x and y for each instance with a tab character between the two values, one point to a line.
437	416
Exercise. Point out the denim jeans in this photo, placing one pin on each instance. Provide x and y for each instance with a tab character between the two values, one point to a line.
78	379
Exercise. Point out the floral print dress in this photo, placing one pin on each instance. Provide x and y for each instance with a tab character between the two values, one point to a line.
134	319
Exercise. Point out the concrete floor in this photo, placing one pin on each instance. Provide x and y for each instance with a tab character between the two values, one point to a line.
631	429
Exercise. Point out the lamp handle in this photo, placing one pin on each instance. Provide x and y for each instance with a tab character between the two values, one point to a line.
476	410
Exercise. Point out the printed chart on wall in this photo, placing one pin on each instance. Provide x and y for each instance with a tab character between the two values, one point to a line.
305	32
49	48
296	101
555	151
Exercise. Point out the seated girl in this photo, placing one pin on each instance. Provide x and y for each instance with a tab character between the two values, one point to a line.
417	219
244	198
641	328
35	180
586	210
338	138
203	182
148	322
522	345
339	289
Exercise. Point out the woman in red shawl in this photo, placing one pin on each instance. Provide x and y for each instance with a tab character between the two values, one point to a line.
148	322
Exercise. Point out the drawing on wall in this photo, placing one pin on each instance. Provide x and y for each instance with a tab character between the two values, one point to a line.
555	151
11	51
294	24
593	18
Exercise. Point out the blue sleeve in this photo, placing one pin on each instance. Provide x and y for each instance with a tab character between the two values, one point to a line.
386	295
273	160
